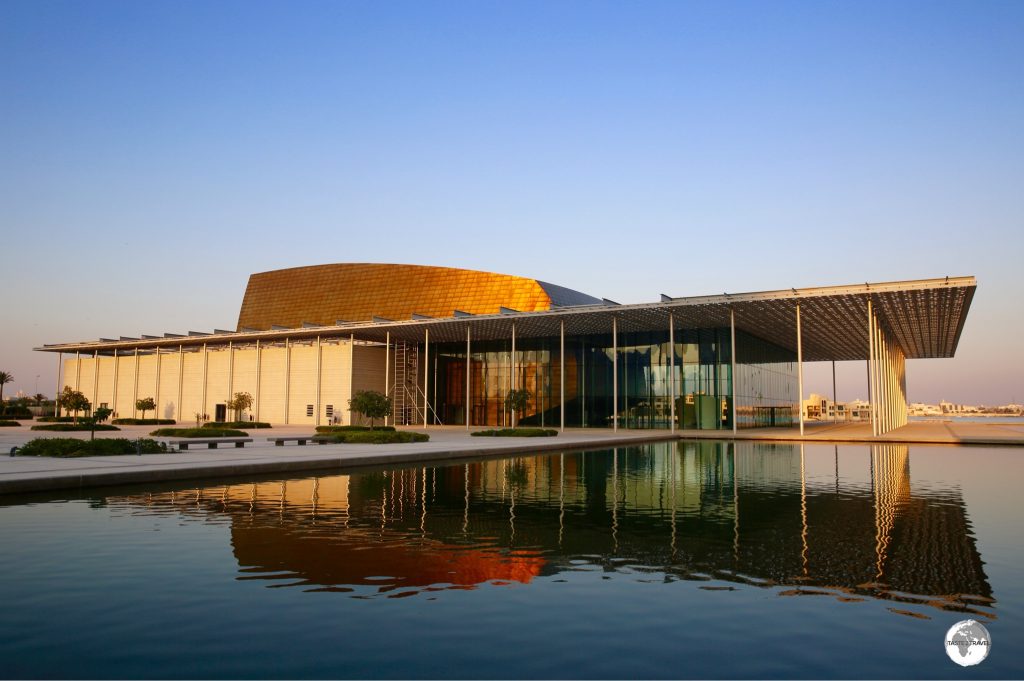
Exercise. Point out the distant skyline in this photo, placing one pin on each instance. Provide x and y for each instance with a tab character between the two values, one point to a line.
156	154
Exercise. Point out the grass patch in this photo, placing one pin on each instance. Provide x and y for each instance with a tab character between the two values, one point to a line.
516	432
75	427
352	429
237	424
6	424
143	422
198	432
373	437
69	448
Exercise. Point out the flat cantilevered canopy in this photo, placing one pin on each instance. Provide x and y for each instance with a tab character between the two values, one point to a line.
923	317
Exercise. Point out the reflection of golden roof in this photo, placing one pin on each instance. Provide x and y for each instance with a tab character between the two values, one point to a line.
323	294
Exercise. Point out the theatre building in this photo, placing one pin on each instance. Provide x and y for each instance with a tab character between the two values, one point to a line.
447	345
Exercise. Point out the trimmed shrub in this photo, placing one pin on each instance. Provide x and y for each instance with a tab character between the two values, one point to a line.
198	432
143	422
75	427
55	419
10	412
6	424
351	429
374	437
237	424
64	447
516	432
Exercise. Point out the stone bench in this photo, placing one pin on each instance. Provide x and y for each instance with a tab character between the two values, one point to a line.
297	439
212	443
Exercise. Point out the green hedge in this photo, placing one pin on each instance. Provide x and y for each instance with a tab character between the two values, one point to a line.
516	432
374	437
143	422
237	424
67	448
75	427
198	432
16	413
55	419
351	429
5	424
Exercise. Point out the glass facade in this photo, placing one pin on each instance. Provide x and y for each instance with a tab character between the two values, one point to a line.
766	381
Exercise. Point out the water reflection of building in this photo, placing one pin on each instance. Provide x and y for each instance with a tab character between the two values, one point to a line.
756	512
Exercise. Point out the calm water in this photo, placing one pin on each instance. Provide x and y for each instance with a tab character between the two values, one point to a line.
665	560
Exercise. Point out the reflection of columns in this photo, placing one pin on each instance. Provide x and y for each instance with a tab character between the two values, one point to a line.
387	369
803	509
800	370
561	374
615	374
468	360
672	388
732	373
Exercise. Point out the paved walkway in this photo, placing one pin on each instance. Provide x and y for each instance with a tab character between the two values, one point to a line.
27	474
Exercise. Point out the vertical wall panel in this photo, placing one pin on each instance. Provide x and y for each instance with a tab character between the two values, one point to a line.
244	378
335	382
105	385
303	384
217	381
368	369
167	406
272	384
147	380
192	386
125	387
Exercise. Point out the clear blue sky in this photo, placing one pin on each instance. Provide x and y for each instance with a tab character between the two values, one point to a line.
154	154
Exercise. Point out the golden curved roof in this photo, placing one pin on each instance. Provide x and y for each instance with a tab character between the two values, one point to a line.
324	294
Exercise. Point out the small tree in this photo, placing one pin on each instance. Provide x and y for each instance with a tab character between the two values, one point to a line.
516	402
39	398
5	378
72	401
371	404
239	403
145	404
99	415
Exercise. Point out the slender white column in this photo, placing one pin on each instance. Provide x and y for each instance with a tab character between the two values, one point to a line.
117	362
835	403
615	374
60	362
96	379
135	389
319	370
872	395
287	376
181	378
467	376
512	380
426	376
206	364
156	398
672	371
259	371
732	379
800	369
387	369
561	374
231	371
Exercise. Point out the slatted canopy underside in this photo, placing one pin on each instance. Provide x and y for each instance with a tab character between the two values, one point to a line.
924	317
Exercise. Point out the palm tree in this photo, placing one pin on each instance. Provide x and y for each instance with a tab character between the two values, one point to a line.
5	378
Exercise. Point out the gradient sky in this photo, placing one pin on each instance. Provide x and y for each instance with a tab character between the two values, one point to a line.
154	154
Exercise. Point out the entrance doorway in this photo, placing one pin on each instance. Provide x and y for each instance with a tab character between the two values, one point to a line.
220	413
